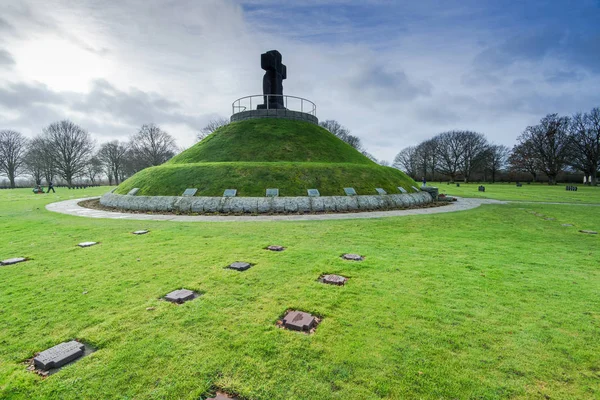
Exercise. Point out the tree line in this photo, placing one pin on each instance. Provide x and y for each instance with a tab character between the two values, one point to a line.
557	144
67	152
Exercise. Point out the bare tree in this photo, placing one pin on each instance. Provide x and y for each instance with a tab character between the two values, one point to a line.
12	151
34	163
427	158
550	144
151	146
212	126
70	147
407	161
112	154
522	158
496	158
343	133
584	137
474	147
93	168
450	153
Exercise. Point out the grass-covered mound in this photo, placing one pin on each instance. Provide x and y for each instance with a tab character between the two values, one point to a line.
254	155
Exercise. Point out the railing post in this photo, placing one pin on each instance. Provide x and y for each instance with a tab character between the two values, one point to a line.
250	102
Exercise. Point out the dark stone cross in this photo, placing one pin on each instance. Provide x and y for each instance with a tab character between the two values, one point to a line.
275	73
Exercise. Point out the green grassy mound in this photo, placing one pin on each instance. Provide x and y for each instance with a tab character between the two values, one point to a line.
254	155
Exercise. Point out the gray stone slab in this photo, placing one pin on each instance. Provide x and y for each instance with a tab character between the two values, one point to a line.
402	190
588	232
180	296
352	257
416	189
380	191
567	224
140	232
332	279
272	192
230	193
275	248
223	396
313	193
299	321
87	244
239	266
11	261
190	192
350	191
133	192
59	355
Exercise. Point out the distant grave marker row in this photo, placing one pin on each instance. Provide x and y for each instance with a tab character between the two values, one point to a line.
571	188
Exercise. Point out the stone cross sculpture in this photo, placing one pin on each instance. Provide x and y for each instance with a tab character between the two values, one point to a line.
273	79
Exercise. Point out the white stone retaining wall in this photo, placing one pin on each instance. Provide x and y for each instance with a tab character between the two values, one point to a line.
265	205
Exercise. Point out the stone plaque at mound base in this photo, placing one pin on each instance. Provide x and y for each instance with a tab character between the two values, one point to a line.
11	261
141	232
276	248
59	355
189	192
402	190
180	296
313	193
334	279
272	192
416	189
229	192
353	257
133	192
380	191
299	321
239	266
87	244
350	191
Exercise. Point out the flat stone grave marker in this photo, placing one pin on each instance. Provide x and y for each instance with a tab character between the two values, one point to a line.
189	192
566	224
12	261
313	193
402	190
299	321
229	192
350	191
333	279
352	257
588	232
272	192
550	219
133	192
87	244
239	266
275	248
59	355
140	232
181	296
380	191
415	188
222	396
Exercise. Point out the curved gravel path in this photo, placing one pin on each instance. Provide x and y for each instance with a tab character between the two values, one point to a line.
71	207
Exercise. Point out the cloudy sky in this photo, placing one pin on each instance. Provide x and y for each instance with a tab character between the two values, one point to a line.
393	72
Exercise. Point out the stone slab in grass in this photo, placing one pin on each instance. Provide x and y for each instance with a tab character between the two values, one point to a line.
59	355
190	192
229	192
133	192
140	232
181	296
566	224
416	189
222	396
299	321
332	279
239	266
313	193
350	191
352	257
272	192
402	190
275	248
588	232
12	261
380	191
87	244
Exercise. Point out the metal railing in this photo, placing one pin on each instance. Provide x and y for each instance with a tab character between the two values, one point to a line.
292	103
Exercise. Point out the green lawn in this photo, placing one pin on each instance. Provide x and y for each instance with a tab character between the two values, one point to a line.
491	303
534	192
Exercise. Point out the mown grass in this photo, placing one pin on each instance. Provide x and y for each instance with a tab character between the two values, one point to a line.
534	192
252	179
491	303
254	155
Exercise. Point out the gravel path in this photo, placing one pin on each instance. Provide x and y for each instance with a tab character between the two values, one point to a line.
71	207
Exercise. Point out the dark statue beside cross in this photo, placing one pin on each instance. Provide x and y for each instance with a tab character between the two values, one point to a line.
275	73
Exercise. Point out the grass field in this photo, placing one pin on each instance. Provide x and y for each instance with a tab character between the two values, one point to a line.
491	303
